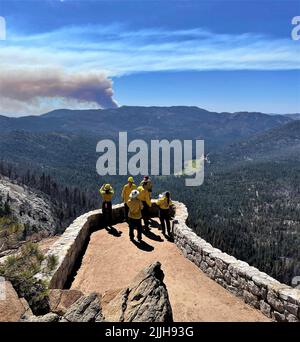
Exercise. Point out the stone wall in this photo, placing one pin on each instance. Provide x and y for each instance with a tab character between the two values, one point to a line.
70	246
276	300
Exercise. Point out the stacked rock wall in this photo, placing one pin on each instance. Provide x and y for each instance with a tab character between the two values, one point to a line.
276	300
68	248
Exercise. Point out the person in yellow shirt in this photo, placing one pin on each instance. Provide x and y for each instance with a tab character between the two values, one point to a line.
127	188
107	192
164	202
144	196
135	207
147	180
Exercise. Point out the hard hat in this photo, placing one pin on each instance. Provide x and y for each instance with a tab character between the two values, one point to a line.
134	194
130	179
107	187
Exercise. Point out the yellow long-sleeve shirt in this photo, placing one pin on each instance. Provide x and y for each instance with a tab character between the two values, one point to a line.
144	195
162	202
135	208
148	186
126	191
106	196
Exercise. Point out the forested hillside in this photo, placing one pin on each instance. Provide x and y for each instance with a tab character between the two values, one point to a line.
252	212
249	204
34	206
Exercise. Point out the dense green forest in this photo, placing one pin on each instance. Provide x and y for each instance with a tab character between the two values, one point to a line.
252	213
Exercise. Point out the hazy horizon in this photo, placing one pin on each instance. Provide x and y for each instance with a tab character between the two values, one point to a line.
100	109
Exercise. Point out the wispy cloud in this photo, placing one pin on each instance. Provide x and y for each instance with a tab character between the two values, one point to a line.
113	51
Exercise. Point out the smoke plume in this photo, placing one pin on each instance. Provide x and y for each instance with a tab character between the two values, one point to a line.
32	86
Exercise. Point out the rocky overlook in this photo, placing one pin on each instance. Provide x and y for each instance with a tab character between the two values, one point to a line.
188	280
145	299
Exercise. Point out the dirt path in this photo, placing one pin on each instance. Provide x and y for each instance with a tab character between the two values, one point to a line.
111	262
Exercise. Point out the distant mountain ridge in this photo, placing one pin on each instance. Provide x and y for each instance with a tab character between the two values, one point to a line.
277	144
149	123
294	116
63	141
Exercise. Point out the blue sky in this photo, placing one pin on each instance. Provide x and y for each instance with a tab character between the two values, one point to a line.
219	55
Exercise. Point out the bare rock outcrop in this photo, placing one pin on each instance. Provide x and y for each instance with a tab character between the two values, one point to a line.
61	300
85	309
12	308
31	208
145	300
48	318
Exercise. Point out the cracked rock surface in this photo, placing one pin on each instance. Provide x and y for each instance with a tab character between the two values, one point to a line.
144	300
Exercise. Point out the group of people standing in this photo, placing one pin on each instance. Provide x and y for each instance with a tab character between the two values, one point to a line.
137	202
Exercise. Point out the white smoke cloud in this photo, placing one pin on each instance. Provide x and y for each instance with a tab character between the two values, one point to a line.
27	88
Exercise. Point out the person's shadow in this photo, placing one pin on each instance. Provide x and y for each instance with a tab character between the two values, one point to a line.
170	237
144	246
152	236
154	224
113	231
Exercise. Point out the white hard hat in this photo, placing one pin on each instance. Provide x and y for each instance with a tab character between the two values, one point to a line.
134	194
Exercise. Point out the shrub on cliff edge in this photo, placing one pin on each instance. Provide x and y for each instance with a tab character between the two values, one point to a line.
20	270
